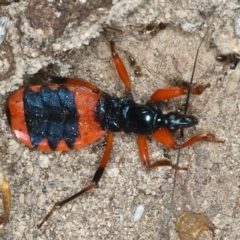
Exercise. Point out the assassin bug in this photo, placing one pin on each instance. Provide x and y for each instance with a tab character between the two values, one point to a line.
72	113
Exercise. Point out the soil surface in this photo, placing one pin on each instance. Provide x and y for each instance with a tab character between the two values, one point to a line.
65	39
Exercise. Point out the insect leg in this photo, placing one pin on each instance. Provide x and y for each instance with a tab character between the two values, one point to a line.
97	176
172	92
74	81
164	137
208	137
119	65
143	150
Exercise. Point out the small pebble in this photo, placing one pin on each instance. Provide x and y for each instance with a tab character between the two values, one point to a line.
139	212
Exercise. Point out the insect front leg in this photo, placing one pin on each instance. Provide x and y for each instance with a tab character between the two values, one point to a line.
164	137
97	176
144	154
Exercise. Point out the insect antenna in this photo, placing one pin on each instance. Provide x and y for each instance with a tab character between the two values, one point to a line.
181	130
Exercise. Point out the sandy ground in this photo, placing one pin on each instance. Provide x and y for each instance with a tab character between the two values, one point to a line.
65	40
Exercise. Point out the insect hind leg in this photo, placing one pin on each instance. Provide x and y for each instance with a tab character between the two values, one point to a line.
74	81
97	176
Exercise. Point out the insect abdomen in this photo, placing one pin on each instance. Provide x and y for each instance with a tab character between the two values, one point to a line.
54	117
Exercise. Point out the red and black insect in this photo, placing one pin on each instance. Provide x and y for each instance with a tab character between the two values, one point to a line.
71	113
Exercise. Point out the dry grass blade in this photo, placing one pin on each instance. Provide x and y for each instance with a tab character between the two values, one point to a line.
7	201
